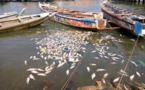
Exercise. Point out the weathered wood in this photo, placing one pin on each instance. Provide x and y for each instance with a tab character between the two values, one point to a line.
80	19
23	22
130	21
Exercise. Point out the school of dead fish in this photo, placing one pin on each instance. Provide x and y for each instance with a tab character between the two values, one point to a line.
67	48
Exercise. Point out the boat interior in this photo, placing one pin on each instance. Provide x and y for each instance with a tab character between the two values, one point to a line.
69	13
124	13
17	20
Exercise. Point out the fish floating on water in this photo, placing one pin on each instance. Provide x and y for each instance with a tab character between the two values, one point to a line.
131	77
99	70
93	76
134	63
88	69
25	62
28	80
93	64
105	75
138	74
67	49
116	79
31	76
67	72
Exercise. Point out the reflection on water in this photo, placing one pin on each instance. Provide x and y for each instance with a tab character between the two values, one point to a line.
34	51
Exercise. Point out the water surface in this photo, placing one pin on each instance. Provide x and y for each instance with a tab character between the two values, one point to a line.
19	46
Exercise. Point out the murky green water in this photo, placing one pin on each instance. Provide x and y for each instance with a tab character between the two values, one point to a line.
18	46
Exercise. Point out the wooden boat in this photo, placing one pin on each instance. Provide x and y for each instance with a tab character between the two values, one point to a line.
87	20
10	15
22	22
129	21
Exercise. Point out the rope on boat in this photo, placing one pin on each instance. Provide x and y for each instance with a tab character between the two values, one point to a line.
71	76
128	62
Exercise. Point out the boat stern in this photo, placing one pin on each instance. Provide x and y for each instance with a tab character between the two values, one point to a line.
139	29
100	24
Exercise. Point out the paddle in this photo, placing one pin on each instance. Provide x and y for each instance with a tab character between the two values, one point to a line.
22	11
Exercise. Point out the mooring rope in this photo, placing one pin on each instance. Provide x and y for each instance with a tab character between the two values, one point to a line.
127	62
71	76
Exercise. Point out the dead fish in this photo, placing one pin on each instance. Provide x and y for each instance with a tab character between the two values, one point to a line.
122	61
115	58
72	66
31	76
25	62
106	57
113	63
61	64
138	74
134	63
39	69
116	79
105	75
36	59
93	76
107	47
93	51
93	64
35	72
99	70
41	74
46	62
31	57
45	58
67	72
131	77
46	68
120	56
47	72
101	56
122	72
28	80
103	80
88	69
96	57
31	69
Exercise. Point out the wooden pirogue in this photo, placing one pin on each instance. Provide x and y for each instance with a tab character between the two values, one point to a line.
25	21
131	22
11	15
87	20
